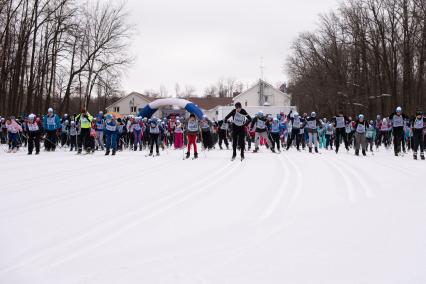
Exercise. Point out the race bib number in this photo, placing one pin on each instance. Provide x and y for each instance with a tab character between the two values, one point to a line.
33	126
340	122
296	122
111	127
360	128
154	130
398	121
239	119
418	124
260	124
192	126
51	120
312	124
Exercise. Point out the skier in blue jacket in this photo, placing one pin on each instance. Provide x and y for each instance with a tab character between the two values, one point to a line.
275	128
110	134
51	123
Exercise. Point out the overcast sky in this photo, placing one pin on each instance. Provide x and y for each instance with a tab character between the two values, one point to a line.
196	42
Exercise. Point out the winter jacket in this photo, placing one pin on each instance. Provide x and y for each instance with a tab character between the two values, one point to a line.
51	123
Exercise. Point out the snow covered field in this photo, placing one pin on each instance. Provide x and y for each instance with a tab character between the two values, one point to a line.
274	218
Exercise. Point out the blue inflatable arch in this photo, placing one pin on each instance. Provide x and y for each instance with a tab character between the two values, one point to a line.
152	107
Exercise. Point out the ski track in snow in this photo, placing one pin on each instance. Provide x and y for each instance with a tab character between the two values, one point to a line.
359	179
342	175
282	187
295	182
72	196
105	232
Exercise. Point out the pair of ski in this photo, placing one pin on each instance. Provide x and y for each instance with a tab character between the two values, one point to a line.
193	158
85	153
152	155
233	159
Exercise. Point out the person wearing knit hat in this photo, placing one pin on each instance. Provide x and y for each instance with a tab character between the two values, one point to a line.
84	120
240	118
51	124
110	134
33	126
397	118
419	124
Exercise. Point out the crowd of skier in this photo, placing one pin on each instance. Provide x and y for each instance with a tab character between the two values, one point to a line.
105	132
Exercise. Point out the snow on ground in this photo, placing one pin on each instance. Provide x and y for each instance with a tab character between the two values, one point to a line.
274	218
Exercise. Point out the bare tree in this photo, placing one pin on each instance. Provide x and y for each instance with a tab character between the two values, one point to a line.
363	50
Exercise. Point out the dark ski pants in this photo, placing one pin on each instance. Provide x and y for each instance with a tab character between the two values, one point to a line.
33	141
64	139
341	134
73	142
418	140
222	137
329	141
238	136
83	139
275	139
13	140
295	132
384	135
207	139
50	141
154	140
398	135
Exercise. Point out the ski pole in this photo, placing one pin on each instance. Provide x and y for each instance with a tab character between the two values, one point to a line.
48	140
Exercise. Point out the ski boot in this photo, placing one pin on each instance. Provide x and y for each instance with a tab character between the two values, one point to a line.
195	155
363	153
310	149
415	155
107	152
187	155
158	154
233	157
316	150
220	147
113	152
422	156
150	154
273	150
256	150
356	152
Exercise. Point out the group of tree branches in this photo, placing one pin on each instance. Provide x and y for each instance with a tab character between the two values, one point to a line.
367	57
61	53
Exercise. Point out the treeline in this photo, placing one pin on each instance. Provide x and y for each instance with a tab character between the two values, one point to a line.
61	54
367	57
